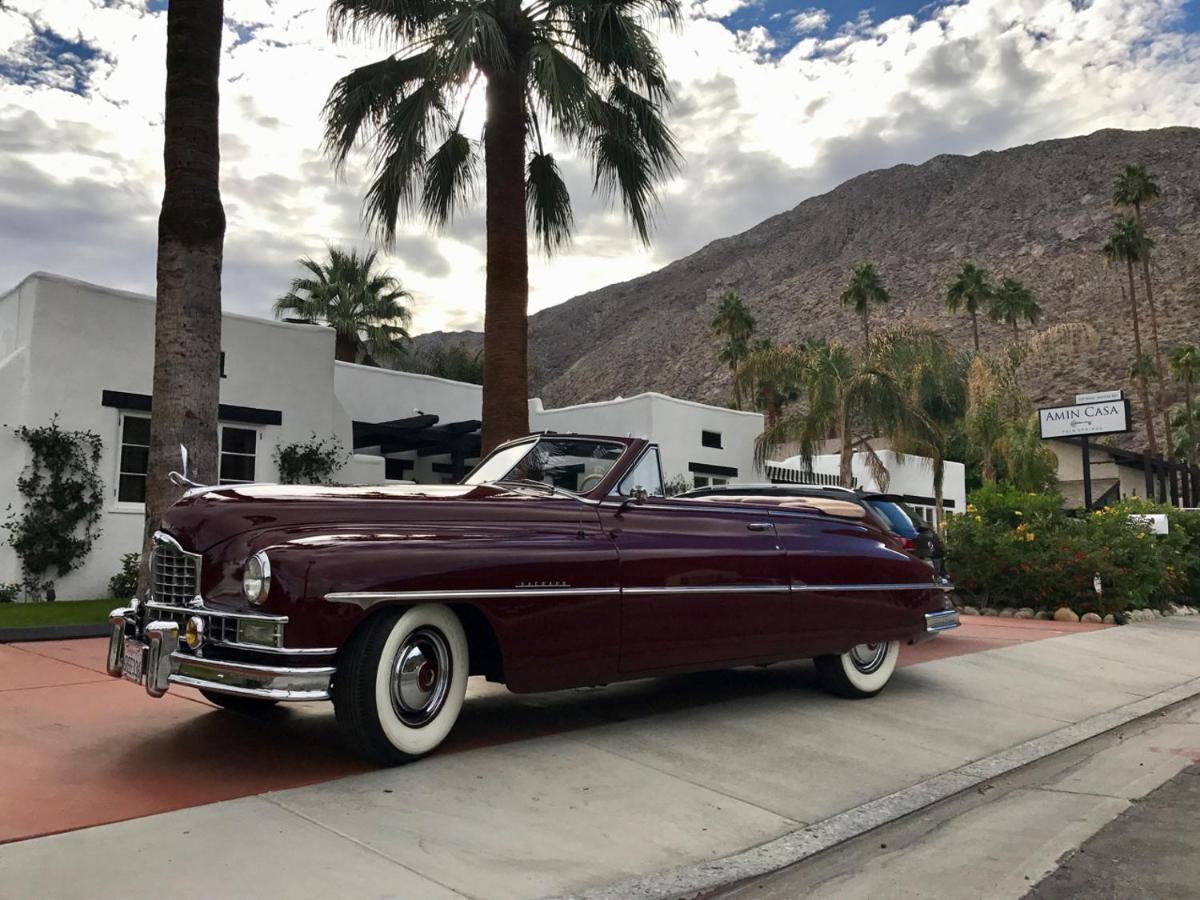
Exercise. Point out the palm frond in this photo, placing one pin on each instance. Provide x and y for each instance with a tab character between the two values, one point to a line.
360	103
404	19
450	175
548	202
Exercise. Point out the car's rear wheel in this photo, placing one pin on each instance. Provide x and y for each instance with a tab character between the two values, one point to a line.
862	671
251	706
400	683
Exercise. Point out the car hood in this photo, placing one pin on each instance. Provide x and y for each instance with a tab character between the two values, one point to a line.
206	516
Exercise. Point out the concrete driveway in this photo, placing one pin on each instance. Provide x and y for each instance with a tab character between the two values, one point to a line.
545	794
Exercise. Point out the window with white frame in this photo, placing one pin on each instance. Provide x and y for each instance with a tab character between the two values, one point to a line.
134	458
239	453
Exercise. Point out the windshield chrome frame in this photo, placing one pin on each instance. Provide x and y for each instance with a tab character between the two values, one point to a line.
621	462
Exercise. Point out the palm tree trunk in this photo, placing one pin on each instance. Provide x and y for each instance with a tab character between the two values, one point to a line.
846	462
191	233
737	388
939	494
866	315
975	330
506	299
1147	411
345	349
1191	416
1160	399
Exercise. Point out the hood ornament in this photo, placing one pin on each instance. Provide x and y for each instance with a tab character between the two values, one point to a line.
180	479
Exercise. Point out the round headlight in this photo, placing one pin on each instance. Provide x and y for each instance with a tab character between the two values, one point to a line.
256	578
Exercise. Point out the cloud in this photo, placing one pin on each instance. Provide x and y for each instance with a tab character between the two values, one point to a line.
769	112
811	19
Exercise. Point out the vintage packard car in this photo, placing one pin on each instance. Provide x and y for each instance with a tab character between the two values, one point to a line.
558	562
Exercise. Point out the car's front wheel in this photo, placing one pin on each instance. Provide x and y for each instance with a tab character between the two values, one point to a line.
400	683
862	671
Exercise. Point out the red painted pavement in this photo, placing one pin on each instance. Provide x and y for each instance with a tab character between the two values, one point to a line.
78	748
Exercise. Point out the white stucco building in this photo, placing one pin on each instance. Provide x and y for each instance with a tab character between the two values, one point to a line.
910	477
86	353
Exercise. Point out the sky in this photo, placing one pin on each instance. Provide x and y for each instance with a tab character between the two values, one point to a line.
774	102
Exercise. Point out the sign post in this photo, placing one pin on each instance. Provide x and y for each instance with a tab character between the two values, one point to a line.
1105	412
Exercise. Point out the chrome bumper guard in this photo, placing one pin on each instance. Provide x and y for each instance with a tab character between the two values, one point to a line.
164	665
943	620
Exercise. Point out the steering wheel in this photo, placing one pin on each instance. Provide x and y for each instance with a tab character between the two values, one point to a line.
590	481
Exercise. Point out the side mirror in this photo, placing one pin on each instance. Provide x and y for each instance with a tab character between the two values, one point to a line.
639	495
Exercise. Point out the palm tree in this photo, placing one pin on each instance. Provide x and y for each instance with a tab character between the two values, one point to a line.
1128	244
1028	462
848	397
586	72
364	308
191	234
1135	187
932	381
735	324
970	290
772	375
1185	366
864	288
1013	303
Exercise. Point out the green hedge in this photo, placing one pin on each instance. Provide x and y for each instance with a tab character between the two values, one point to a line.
1015	549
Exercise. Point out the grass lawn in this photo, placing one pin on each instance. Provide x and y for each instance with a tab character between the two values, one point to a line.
61	612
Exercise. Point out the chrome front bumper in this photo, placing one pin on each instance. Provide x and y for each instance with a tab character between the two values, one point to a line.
164	664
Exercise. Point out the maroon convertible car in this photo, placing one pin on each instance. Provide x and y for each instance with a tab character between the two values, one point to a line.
558	562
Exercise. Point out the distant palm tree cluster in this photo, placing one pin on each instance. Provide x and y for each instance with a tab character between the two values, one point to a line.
909	385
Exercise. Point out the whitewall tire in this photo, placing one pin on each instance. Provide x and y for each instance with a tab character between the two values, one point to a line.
862	671
400	683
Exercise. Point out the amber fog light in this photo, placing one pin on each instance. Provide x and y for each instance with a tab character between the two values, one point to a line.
193	632
262	633
256	578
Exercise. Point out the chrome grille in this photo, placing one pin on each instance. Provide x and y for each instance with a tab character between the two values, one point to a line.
216	628
175	575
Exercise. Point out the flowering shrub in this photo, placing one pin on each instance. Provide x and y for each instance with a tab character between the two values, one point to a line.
1015	549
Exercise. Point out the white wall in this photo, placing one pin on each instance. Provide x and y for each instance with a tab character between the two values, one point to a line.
676	426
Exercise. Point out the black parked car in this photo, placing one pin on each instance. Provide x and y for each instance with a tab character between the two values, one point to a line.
889	510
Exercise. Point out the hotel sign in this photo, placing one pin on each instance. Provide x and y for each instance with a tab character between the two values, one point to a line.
1101	417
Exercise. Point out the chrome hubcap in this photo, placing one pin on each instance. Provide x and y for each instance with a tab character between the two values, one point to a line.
867	658
421	674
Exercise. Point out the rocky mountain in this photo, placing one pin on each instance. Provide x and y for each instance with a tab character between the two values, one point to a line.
1039	213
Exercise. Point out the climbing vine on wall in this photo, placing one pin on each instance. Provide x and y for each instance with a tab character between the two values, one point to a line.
310	462
63	497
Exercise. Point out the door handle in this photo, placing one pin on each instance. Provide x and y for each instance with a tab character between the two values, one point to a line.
759	526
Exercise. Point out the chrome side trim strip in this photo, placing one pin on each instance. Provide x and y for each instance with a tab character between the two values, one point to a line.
710	589
366	599
926	586
369	598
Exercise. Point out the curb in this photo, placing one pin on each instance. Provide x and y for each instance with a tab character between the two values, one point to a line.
53	632
796	846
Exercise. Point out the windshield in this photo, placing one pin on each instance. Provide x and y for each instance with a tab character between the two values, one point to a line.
896	517
573	464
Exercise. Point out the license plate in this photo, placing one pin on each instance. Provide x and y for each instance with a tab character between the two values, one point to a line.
131	666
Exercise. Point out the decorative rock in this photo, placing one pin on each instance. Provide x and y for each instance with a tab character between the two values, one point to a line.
1156	613
1024	613
1110	619
1091	618
1043	615
970	611
1065	614
988	611
1007	612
